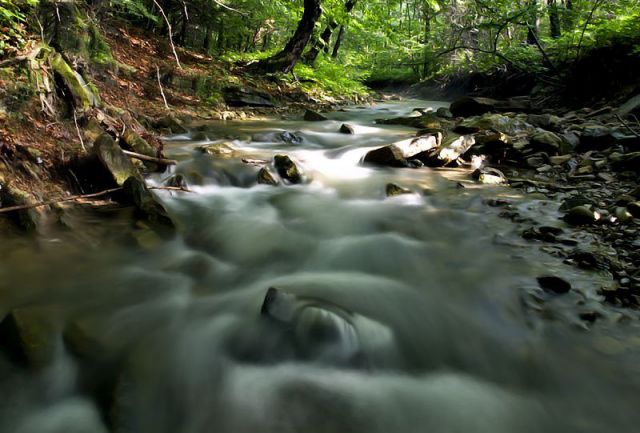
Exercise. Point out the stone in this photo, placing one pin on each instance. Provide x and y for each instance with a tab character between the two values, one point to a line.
554	284
537	160
171	124
287	169
571	138
314	116
545	121
427	122
28	335
177	181
137	193
444	113
448	152
632	106
219	150
132	140
496	123
473	106
546	141
81	92
560	159
397	154
581	215
114	160
246	97
265	177
489	176
595	137
622	214
626	161
634	209
345	128
573	202
393	190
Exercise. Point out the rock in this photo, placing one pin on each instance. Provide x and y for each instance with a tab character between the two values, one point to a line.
136	143
426	123
444	112
474	106
347	129
287	169
626	161
148	207
571	138
545	141
219	150
290	137
560	159
594	260
246	97
489	176
554	284
397	154
448	152
393	190
171	124
632	106
595	137
581	215
573	202
27	220
314	116
265	177
634	209
622	214
114	160
28	335
177	181
537	160
496	123
545	121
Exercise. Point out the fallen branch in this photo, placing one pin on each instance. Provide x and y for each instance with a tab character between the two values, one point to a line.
164	98
166	20
171	188
161	161
50	202
626	125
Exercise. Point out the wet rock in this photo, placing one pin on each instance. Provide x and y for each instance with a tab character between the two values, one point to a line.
581	215
489	176
290	137
573	202
28	335
450	150
314	116
177	181
393	190
545	121
219	150
594	260
345	128
246	97
554	284
473	106
496	123
27	220
171	124
634	209
265	177
595	137
622	214
114	160
397	154
426	123
549	142
444	113
148	207
287	169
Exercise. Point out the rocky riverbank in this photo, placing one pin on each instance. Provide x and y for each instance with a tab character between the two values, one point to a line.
579	168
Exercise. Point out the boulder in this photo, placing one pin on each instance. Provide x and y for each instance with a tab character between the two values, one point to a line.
287	169
554	284
474	106
265	177
81	92
545	121
450	150
493	122
148	207
581	215
28	335
132	140
546	141
444	112
246	97
314	116
345	128
625	161
634	209
427	122
489	176
170	124
114	160
393	190
632	106
595	137
397	154
290	137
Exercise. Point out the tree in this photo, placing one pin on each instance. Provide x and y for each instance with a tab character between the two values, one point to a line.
325	37
285	60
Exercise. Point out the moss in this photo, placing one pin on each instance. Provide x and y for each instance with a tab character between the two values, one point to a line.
99	51
81	92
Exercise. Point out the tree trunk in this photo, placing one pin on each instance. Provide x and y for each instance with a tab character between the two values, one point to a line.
325	37
554	19
286	59
336	47
567	16
532	22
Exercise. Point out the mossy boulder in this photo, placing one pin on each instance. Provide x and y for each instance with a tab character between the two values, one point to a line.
148	207
287	169
81	94
136	143
25	219
114	160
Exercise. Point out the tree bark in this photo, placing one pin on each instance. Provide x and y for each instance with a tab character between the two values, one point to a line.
532	22
554	18
286	59
336	47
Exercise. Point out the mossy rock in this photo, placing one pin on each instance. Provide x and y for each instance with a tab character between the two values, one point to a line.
82	95
26	219
287	169
265	177
114	160
137	192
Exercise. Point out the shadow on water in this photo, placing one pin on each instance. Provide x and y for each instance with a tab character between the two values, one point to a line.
400	314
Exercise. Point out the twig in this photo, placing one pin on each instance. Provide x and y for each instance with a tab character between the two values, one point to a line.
75	120
50	202
222	5
626	125
161	161
172	188
584	28
164	98
166	20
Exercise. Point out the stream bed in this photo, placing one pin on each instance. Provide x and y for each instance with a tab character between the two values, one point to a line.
392	314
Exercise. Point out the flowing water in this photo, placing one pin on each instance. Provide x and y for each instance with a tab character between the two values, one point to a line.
400	314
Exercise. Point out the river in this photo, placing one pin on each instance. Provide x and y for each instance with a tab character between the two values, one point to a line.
400	314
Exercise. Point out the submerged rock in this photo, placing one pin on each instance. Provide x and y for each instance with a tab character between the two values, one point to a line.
287	169
28	335
314	116
393	190
554	284
265	177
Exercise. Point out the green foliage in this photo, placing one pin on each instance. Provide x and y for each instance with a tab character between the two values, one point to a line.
13	35
329	77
